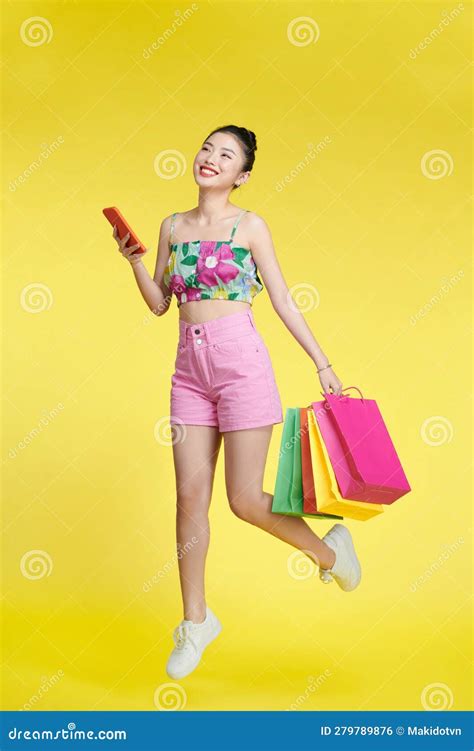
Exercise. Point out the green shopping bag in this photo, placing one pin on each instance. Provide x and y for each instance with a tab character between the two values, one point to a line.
288	495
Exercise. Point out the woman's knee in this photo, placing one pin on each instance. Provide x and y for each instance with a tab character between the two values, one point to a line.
244	506
194	503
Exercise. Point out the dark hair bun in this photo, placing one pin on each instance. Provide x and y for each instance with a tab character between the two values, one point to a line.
252	137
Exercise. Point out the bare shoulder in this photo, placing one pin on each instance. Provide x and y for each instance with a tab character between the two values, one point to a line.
166	223
165	229
183	216
255	221
257	229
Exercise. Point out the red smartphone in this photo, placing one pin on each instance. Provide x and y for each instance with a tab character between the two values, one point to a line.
115	217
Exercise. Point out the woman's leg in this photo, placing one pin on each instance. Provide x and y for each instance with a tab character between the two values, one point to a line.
195	452
245	457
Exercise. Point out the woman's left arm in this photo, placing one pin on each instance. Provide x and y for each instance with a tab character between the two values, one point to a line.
263	252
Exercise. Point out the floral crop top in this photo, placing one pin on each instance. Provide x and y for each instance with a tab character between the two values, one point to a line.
211	270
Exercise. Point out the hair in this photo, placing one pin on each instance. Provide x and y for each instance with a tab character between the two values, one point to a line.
248	141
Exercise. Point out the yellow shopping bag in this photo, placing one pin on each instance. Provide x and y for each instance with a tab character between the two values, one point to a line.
328	497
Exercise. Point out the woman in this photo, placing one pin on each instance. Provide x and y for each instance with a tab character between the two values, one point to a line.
223	381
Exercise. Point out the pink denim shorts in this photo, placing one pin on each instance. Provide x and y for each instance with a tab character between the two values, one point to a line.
224	376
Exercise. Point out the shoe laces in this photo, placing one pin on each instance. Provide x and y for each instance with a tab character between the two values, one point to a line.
182	636
325	575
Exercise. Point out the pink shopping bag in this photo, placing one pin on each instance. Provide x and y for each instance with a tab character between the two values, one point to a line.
360	449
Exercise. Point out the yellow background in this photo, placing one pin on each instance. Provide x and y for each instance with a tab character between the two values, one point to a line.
87	463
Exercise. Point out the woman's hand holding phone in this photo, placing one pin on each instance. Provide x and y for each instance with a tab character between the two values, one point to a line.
128	252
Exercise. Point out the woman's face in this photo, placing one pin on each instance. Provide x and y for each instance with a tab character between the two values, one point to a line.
219	162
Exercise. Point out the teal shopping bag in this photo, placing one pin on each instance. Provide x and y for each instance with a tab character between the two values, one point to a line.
288	495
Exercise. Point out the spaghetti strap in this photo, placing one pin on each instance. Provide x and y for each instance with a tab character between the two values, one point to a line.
173	217
236	223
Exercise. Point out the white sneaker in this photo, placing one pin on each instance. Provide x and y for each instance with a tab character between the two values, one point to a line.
191	639
346	569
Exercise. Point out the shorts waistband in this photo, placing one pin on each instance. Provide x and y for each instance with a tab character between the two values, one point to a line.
216	329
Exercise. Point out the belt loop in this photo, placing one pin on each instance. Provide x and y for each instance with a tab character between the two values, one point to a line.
250	315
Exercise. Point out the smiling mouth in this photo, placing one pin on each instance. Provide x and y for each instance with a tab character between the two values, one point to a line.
207	172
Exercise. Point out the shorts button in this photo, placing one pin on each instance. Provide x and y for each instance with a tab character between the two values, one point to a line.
199	341
197	331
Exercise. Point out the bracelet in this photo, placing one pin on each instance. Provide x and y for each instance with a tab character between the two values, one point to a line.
326	366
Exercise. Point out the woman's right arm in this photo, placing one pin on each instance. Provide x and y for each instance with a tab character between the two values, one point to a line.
154	291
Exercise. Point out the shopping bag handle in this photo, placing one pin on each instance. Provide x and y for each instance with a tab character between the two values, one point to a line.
345	389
